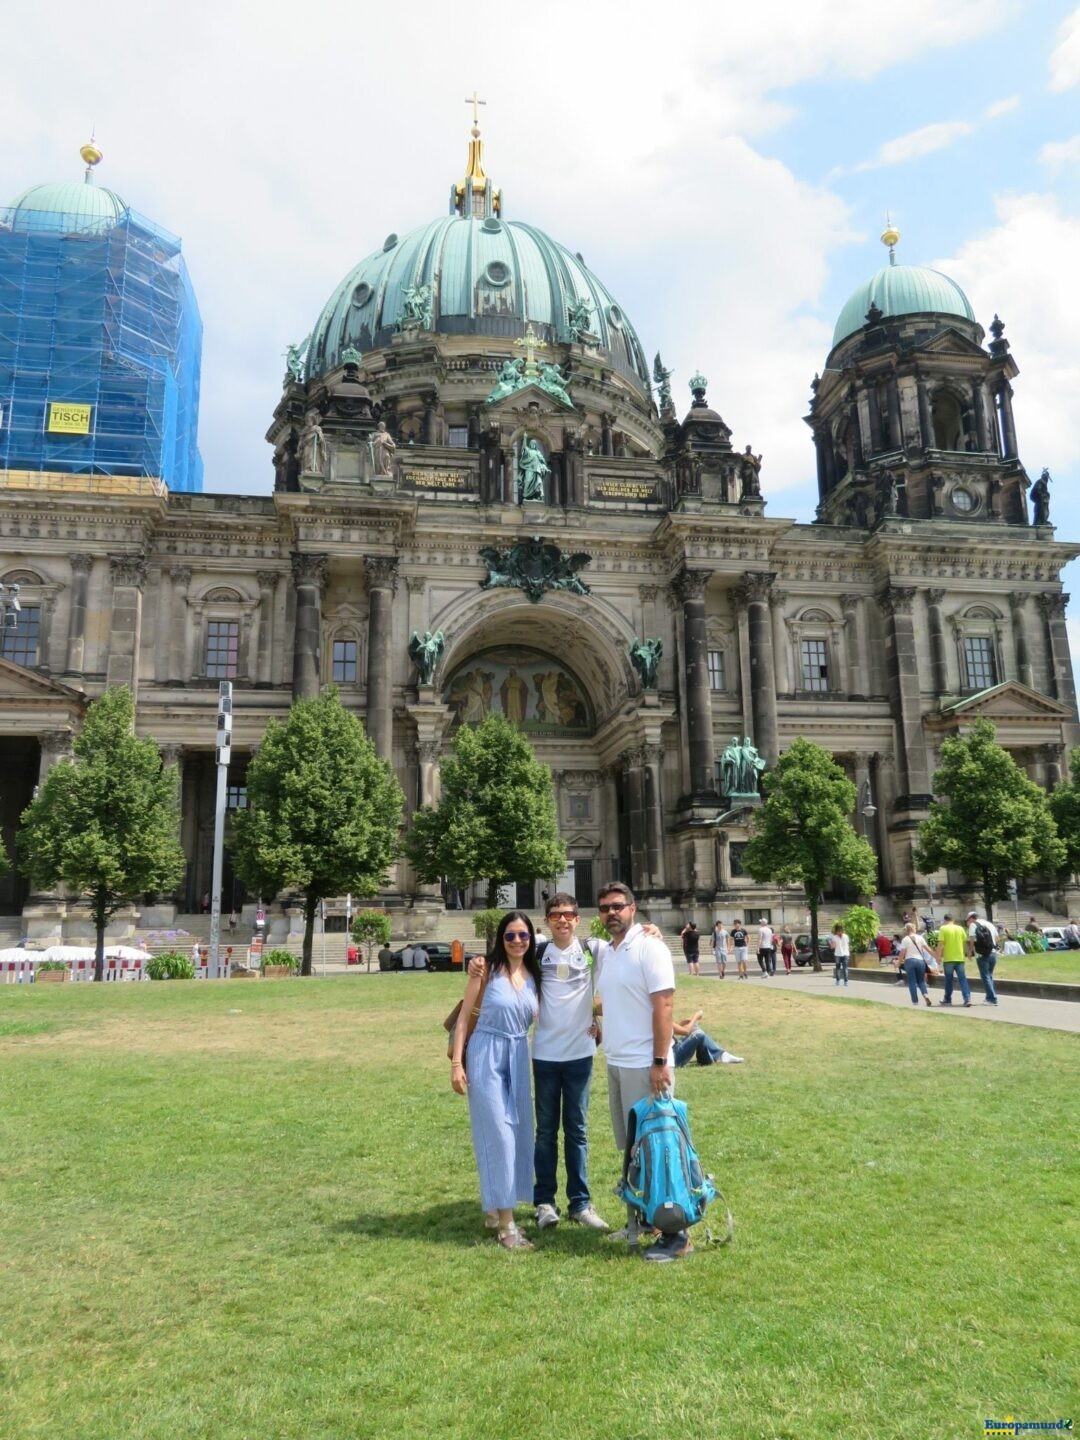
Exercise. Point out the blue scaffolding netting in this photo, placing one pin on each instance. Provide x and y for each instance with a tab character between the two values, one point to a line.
99	315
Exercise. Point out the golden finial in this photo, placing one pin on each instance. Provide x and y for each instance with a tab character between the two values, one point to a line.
890	236
91	156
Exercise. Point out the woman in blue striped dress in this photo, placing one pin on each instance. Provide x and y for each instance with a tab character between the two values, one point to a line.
499	1081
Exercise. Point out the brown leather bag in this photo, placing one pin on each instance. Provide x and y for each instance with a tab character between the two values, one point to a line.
450	1023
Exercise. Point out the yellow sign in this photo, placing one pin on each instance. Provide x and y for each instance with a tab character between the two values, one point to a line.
68	419
624	490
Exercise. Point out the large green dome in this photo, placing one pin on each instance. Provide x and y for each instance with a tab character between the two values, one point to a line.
67	208
487	276
902	290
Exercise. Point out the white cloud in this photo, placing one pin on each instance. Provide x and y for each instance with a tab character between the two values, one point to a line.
917	143
1057	153
1007	106
1065	56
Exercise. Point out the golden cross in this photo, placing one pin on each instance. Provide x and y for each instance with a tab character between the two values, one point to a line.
474	100
530	342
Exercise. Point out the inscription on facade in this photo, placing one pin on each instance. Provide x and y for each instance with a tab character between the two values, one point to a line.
624	490
437	480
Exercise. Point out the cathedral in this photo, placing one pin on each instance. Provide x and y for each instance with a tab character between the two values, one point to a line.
486	498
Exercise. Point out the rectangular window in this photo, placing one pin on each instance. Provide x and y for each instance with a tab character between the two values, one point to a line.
716	670
236	797
815	665
20	642
344	662
222	649
757	917
459	437
979	662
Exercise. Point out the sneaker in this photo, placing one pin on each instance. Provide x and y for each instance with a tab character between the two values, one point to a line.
588	1217
546	1217
967	1004
669	1247
632	1233
728	1059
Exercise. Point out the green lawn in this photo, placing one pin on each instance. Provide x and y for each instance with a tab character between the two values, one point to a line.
249	1212
1062	966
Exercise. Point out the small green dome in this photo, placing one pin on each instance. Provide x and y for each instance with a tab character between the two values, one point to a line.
68	208
902	290
485	276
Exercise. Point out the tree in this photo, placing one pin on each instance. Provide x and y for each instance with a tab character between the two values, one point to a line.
323	811
105	824
1064	804
370	927
997	824
803	832
496	819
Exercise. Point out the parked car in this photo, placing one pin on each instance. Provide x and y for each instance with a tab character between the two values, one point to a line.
1055	937
805	956
439	957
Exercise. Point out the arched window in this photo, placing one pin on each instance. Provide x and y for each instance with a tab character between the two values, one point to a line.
978	635
947	420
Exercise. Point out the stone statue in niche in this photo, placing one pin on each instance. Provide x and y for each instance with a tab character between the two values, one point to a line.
1039	496
645	657
424	651
533	470
380	447
313	449
750	472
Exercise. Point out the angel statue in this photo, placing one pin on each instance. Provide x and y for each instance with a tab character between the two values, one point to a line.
662	379
645	658
416	308
424	651
554	382
294	362
580	313
510	379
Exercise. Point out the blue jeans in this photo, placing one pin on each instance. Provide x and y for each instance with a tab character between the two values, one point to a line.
840	969
697	1046
986	964
954	971
915	970
562	1084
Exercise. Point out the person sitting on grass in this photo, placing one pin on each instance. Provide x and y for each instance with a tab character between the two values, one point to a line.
691	1043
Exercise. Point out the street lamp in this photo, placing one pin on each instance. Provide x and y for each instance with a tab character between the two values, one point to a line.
866	800
224	754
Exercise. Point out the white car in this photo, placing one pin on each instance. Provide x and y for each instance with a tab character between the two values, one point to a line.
1055	937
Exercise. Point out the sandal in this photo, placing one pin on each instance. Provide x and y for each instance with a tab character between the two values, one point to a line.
513	1239
491	1220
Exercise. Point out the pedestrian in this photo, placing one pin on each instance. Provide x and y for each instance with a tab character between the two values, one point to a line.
787	950
691	1043
913	954
951	951
500	1096
840	944
420	958
720	942
232	922
691	944
206	902
740	946
635	988
766	942
982	947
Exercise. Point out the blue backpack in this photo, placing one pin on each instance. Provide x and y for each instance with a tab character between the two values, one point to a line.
662	1175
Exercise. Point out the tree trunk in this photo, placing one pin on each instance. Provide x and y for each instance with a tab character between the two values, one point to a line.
492	894
310	905
101	919
816	962
988	892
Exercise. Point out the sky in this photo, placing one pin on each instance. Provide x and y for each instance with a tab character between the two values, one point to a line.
725	170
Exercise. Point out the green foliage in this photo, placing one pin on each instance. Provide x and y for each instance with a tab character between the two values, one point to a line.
803	831
496	819
598	930
279	957
862	924
996	823
931	938
485	923
1065	807
323	810
49	965
371	928
1031	943
106	824
170	965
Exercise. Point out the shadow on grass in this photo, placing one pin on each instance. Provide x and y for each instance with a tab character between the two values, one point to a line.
461	1223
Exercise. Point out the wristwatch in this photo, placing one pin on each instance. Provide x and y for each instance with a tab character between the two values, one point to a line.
660	1060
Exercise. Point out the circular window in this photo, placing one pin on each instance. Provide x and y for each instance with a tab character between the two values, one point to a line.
491	225
389	242
362	294
497	273
614	314
963	500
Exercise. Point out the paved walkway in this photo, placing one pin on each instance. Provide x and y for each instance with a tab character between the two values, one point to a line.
1011	1010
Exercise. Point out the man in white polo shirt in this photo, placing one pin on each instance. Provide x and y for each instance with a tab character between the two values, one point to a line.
635	988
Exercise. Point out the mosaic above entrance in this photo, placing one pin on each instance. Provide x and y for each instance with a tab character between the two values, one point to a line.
533	690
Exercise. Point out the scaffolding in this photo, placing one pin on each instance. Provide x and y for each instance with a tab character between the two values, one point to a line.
100	349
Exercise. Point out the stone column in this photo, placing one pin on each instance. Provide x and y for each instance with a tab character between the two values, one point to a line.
901	668
55	745
926	426
857	681
633	762
855	425
873	410
183	643
939	662
163	631
882	780
781	649
1052	757
382	574
610	802
689	588
1008	424
268	583
1053	608
754	593
128	577
654	804
81	565
896	429
982	426
1017	603
309	578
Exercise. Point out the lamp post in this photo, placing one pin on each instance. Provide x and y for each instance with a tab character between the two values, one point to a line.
224	754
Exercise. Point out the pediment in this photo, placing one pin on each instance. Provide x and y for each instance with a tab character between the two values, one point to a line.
1009	701
528	396
951	342
18	683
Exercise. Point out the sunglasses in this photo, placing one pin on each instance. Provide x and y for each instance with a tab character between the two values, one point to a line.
622	905
516	935
562	915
